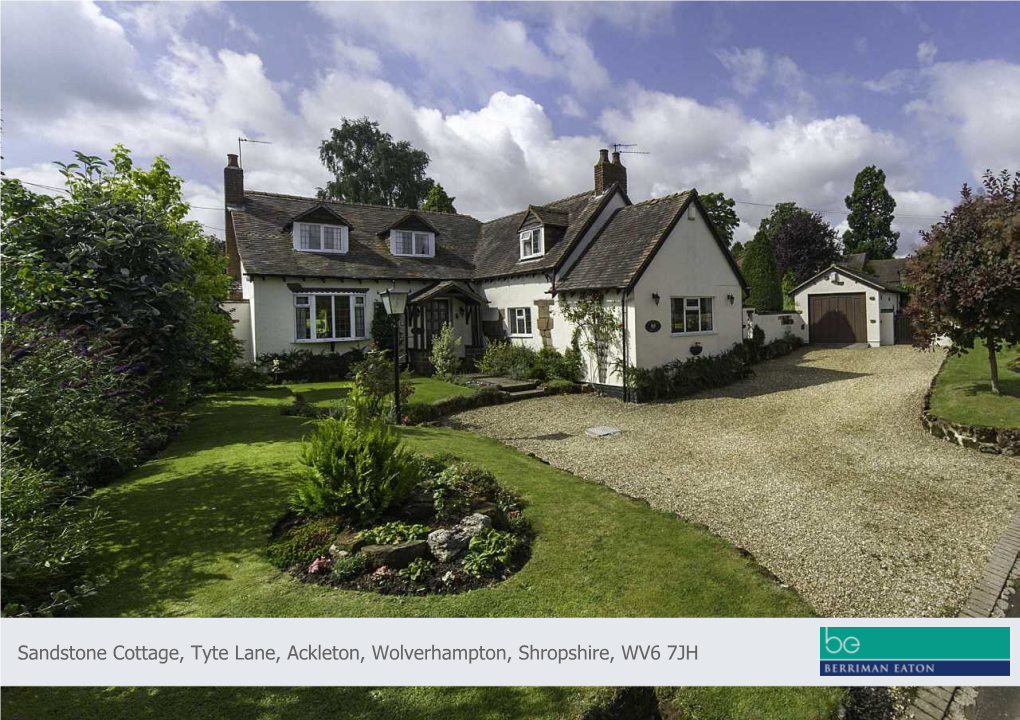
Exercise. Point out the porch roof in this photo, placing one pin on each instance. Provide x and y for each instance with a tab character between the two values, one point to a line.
447	288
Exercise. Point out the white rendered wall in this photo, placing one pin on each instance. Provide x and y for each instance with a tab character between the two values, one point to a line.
773	327
825	286
240	314
689	264
517	292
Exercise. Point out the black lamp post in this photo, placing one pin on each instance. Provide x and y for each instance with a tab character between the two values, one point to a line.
395	301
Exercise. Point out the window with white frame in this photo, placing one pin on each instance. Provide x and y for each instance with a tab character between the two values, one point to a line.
532	244
316	237
691	315
322	316
520	321
413	243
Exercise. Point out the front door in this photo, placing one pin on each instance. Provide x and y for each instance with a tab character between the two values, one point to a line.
838	319
437	314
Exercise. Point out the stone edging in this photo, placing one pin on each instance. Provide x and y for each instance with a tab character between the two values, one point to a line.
932	703
977	437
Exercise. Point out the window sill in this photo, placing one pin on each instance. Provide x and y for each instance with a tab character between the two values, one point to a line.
693	334
412	255
521	337
532	257
324	340
322	252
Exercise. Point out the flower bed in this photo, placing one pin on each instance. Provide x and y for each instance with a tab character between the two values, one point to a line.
457	530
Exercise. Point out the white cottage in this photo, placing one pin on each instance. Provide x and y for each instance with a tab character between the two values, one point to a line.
309	273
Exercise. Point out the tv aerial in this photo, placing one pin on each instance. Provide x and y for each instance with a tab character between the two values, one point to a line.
617	149
244	140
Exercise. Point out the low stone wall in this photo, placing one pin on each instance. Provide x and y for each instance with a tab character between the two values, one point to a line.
977	437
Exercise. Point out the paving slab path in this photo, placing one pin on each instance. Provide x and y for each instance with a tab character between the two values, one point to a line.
817	465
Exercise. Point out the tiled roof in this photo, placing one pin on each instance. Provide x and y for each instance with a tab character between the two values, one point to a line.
499	252
624	244
888	271
267	249
860	275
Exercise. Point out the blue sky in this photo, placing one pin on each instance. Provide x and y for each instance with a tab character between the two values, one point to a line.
767	102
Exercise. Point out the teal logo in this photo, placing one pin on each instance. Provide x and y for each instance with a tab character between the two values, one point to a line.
907	651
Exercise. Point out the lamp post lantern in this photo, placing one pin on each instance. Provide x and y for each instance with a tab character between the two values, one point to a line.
395	301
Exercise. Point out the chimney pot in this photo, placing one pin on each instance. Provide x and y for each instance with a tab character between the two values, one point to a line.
231	160
607	173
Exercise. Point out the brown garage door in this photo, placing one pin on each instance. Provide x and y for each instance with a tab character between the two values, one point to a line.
838	318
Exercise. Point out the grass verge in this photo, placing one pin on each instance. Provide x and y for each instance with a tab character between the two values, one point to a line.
963	390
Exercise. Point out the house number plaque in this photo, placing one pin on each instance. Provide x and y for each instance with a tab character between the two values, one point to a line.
653	326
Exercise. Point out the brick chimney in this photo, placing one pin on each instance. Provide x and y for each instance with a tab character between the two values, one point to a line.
233	182
607	173
233	197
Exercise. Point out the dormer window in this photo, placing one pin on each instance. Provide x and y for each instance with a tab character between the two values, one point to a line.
532	244
412	243
317	237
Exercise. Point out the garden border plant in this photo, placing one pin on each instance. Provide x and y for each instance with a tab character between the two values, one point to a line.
358	516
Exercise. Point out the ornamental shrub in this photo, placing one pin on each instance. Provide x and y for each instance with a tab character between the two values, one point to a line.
306	366
549	364
490	554
444	353
393	533
348	567
354	467
762	273
507	359
373	377
303	543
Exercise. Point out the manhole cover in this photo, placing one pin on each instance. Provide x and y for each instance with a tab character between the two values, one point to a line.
602	431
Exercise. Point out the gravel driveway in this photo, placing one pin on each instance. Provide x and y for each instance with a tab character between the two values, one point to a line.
817	465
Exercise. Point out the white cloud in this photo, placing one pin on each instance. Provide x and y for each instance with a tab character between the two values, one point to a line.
747	67
55	57
977	104
570	107
38	174
155	20
357	58
926	52
752	67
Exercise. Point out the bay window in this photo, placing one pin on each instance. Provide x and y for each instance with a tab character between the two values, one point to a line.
690	315
336	317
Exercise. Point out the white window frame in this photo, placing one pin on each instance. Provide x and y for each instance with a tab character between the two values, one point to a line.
536	236
311	301
318	229
520	315
685	300
418	240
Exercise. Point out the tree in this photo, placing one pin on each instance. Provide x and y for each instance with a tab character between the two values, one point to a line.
965	277
804	243
737	250
444	353
438	201
762	274
720	211
369	167
871	215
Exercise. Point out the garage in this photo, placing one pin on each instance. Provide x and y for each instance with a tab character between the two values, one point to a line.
837	319
847	306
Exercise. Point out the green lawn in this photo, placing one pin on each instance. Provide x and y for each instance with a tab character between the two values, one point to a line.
426	390
963	390
187	529
532	703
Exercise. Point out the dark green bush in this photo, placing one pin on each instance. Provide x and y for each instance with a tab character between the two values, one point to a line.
236	377
303	543
354	467
507	359
418	413
560	386
681	378
45	536
306	366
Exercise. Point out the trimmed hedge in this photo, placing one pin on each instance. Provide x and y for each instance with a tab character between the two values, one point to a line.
307	366
681	378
